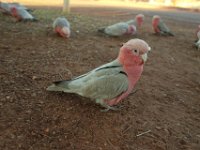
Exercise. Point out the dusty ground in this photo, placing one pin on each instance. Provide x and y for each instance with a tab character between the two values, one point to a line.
167	105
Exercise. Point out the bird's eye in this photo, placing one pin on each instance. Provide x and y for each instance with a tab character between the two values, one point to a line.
135	50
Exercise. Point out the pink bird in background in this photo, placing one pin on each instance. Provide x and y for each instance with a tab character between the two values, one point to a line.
119	29
21	14
110	83
160	27
197	42
5	8
62	27
138	21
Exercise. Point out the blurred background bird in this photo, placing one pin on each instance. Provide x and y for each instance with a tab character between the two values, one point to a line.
197	42
160	27
119	29
5	8
21	14
62	27
138	21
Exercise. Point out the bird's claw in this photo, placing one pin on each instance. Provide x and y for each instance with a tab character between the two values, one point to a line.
115	108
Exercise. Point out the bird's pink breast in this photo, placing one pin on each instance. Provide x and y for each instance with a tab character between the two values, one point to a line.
133	67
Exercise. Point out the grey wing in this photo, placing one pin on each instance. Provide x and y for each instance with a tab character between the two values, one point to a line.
61	22
25	14
132	22
106	87
103	83
5	7
117	29
163	27
14	4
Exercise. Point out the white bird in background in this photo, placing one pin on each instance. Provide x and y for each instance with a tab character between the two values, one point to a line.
119	29
62	27
112	82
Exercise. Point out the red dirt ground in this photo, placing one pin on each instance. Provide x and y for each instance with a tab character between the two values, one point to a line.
167	106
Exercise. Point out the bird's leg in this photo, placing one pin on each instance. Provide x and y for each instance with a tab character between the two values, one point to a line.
107	107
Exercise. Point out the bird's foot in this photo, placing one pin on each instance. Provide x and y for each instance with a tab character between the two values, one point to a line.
107	108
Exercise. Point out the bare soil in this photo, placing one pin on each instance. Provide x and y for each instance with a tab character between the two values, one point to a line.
166	108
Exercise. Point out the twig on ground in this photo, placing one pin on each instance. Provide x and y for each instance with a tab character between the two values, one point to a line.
143	133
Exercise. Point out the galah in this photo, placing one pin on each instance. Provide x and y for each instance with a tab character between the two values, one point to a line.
6	7
197	33
119	29
197	42
160	27
110	83
138	21
21	14
62	27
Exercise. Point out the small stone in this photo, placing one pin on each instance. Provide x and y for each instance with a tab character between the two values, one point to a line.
159	128
7	97
177	84
46	130
34	77
33	94
164	94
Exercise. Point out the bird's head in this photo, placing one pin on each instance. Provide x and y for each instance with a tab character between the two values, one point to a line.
131	30
134	52
13	11
155	20
64	31
140	19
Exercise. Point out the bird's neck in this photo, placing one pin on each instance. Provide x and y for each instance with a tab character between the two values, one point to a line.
133	67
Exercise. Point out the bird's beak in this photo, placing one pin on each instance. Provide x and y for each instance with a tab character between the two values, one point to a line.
149	49
144	57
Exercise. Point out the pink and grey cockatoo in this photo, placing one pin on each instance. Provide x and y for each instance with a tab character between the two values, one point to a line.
197	42
62	27
5	8
138	21
160	27
110	83
119	29
21	14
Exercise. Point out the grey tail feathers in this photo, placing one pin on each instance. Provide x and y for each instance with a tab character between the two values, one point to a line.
30	20
102	30
59	86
